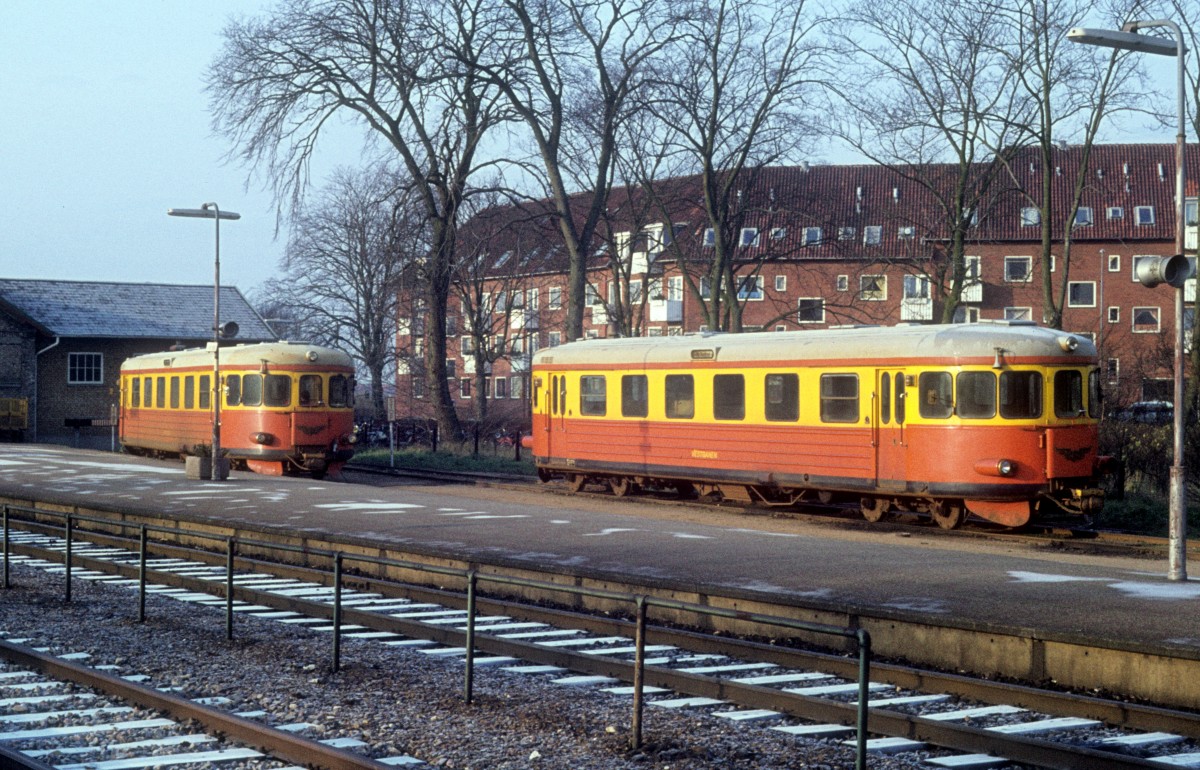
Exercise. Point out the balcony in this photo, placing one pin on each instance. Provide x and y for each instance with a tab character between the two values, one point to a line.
520	318
972	292
918	309
599	315
668	310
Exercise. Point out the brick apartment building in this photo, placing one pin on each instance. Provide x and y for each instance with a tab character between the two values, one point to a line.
62	344
826	245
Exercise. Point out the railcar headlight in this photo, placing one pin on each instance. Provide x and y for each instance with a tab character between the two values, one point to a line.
1006	467
1068	343
262	438
1003	468
311	355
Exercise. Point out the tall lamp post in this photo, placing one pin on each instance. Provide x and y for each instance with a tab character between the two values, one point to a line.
1173	270
213	211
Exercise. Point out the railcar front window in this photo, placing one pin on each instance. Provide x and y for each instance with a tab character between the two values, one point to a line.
311	390
681	396
729	397
1020	395
1095	394
593	395
1068	394
635	396
252	390
233	390
976	395
340	390
278	390
839	398
783	397
937	395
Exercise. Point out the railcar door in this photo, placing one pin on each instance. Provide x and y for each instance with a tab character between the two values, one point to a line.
556	424
891	450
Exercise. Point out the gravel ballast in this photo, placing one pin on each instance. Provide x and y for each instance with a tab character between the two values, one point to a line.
399	701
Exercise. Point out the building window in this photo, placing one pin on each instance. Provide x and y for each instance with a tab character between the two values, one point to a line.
778	233
1145	320
846	233
85	368
654	331
781	283
1030	217
1018	269
749	236
451	367
468	346
810	310
872	235
916	287
464	387
555	339
1081	294
516	387
554	298
710	237
1115	212
843	283
1083	216
1112	369
750	287
872	288
812	236
1114	263
966	314
1018	314
906	232
1114	314
1143	215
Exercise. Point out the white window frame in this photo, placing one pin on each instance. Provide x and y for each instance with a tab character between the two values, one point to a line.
675	288
1031	216
915	287
1143	216
846	233
781	283
1114	263
555	339
750	288
966	314
1115	212
865	295
710	237
1013	260
1114	314
778	233
1018	313
872	235
1157	318
90	366
748	237
812	236
843	283
1084	216
801	320
1072	303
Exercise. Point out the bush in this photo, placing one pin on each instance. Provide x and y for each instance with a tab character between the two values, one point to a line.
450	460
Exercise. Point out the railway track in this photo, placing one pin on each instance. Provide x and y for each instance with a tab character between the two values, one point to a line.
952	721
54	709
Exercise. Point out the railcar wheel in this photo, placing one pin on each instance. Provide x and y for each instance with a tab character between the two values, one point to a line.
947	515
824	497
873	508
576	481
685	489
622	486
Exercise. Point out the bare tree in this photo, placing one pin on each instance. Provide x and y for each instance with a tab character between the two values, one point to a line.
280	80
734	97
934	101
348	250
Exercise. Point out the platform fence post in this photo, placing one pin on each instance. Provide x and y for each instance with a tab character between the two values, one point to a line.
67	557
230	549
864	692
469	676
142	548
639	674
337	612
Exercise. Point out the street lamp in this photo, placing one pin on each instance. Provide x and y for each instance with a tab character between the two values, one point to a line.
213	211
1173	270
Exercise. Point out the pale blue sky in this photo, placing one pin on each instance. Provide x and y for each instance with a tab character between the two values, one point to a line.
105	126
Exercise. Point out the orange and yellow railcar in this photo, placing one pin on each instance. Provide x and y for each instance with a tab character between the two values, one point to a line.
995	419
286	407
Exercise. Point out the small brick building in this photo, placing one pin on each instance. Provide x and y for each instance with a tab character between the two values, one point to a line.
62	344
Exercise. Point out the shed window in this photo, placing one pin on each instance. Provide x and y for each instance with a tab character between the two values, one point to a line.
783	397
729	397
680	396
1020	395
839	398
976	395
635	396
937	395
593	395
85	368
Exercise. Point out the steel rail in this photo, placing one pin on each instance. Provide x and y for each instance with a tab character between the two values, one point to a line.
882	721
278	743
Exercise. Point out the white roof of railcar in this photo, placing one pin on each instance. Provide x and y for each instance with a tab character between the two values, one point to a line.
279	353
949	341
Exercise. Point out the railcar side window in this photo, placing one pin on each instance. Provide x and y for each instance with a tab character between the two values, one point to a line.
311	390
635	395
681	396
160	398
885	398
899	398
189	392
554	395
1095	395
205	392
340	390
135	392
1068	394
1020	395
839	398
233	389
783	397
174	392
976	395
729	397
278	390
937	394
593	395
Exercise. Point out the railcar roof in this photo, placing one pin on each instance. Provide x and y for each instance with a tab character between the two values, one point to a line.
243	355
952	341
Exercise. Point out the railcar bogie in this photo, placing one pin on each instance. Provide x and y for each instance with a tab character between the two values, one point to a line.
993	420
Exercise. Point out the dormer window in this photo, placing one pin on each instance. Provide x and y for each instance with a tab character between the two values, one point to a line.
906	232
1030	217
872	235
710	237
1083	216
778	233
846	233
812	236
749	236
1116	212
1143	215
